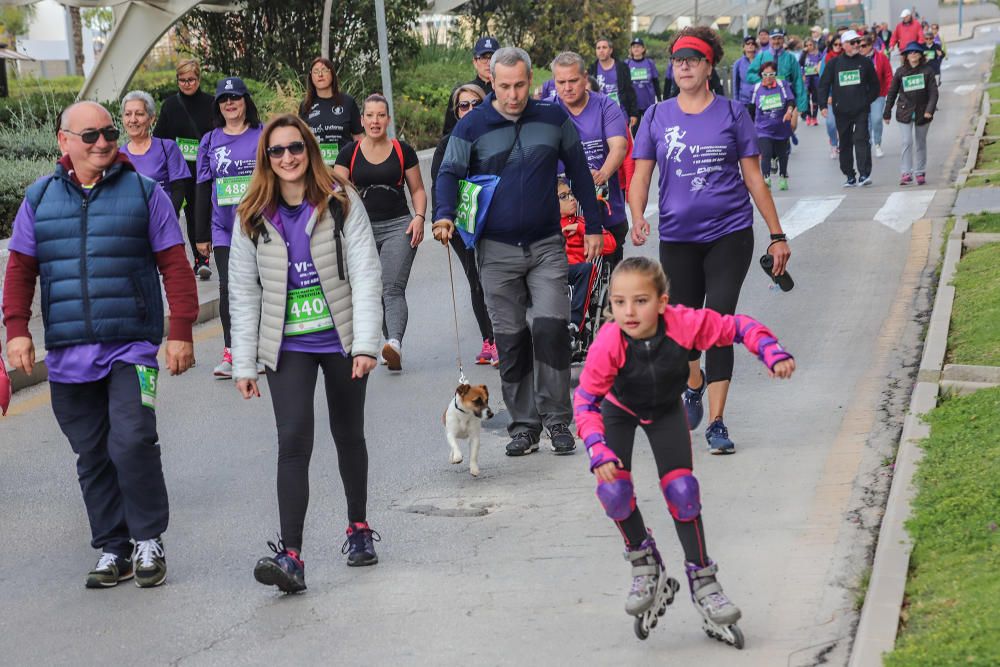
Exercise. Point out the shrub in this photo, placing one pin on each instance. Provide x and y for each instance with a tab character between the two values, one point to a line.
15	176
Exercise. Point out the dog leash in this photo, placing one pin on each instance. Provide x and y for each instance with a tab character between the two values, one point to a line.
454	311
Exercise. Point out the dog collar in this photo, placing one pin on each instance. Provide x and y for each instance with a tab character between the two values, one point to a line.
457	407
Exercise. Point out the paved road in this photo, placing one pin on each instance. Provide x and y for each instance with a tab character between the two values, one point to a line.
519	565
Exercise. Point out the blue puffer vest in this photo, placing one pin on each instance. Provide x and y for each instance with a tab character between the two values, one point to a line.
98	273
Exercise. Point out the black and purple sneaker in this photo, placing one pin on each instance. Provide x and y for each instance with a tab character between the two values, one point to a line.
284	569
360	545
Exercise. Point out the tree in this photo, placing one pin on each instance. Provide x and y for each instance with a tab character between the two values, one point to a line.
270	40
99	19
14	21
76	23
571	25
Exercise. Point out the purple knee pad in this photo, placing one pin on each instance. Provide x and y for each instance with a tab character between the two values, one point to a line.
680	489
618	496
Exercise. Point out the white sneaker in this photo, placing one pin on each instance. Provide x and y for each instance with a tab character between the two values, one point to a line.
224	370
878	151
834	153
393	355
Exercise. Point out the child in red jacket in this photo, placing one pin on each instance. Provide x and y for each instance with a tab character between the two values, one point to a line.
579	268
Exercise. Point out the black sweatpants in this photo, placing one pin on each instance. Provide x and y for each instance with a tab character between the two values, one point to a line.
670	441
710	275
853	131
620	233
774	148
468	259
292	388
118	457
222	267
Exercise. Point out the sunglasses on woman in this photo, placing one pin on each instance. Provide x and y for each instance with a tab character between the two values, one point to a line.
295	148
767	75
469	104
110	133
229	97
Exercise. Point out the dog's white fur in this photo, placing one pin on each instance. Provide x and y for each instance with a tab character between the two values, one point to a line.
463	419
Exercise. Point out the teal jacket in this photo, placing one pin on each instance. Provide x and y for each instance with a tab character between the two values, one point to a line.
788	70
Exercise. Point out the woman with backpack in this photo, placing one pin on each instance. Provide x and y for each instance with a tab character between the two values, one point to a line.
379	167
305	288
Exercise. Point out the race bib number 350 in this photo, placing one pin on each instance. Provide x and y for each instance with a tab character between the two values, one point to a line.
229	190
913	82
189	148
306	311
850	77
147	385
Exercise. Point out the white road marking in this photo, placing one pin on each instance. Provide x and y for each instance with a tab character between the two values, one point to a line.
902	209
964	89
971	49
807	213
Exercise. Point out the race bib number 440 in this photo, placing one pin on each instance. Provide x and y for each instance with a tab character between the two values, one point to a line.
229	190
913	82
851	77
306	311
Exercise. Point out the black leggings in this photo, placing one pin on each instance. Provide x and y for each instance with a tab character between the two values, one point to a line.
222	267
709	275
620	232
670	441
468	259
773	148
292	390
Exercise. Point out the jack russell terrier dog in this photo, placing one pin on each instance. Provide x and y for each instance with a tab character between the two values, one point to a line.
463	419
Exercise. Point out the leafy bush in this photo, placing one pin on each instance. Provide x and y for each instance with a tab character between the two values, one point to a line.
15	176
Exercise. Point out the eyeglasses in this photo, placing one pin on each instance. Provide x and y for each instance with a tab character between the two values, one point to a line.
469	104
321	70
692	61
485	56
229	97
854	42
767	75
110	133
188	82
295	148
836	45
566	196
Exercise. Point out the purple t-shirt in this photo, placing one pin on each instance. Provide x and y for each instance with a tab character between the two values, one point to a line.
222	157
643	72
600	119
771	105
607	81
702	194
91	362
293	225
548	93
163	162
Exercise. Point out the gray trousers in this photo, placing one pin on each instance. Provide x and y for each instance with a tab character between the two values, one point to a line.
394	251
914	150
535	360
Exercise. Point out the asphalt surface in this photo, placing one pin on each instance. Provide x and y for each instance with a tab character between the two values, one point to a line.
519	565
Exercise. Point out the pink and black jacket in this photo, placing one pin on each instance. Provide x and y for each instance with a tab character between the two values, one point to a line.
647	377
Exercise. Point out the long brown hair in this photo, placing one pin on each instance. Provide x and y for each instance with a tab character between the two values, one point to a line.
262	195
311	87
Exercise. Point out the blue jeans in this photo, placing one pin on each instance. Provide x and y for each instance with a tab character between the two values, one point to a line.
875	123
831	126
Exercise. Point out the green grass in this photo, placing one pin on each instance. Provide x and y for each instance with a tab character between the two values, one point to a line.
951	612
975	317
995	75
992	127
984	222
983	181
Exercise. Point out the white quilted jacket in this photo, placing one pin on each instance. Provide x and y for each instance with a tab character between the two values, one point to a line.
257	309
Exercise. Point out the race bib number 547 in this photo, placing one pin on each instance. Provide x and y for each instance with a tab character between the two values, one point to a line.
850	77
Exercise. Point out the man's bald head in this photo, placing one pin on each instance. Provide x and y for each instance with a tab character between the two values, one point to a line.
89	160
86	115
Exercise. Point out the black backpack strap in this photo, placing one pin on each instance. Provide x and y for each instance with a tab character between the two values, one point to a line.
337	211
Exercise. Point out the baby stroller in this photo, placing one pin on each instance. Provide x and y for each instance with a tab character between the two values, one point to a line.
596	310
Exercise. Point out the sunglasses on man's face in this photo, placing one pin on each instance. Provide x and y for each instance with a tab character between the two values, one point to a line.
295	148
110	133
854	42
469	104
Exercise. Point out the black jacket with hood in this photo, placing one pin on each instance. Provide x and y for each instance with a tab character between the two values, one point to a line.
849	98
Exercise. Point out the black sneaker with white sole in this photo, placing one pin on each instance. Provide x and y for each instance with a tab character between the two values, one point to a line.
522	444
563	441
850	182
150	563
110	569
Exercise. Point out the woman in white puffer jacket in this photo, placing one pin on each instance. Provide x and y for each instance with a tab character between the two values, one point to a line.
306	293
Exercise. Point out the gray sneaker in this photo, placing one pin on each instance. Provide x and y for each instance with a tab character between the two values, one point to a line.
110	569
150	563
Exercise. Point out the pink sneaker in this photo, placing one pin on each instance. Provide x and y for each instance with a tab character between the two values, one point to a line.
905	179
920	179
485	355
225	369
494	357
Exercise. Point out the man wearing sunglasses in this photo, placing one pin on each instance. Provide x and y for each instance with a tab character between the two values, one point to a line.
850	84
481	53
100	235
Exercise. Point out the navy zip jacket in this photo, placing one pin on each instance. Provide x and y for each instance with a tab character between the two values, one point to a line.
524	208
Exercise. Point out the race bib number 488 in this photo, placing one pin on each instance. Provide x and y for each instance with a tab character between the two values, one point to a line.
229	190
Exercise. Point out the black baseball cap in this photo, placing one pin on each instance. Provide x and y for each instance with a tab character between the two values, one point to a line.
777	32
749	39
232	85
637	40
485	45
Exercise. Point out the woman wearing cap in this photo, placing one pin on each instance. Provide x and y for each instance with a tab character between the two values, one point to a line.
706	150
810	62
743	89
832	51
226	159
331	114
466	98
380	168
158	159
305	297
914	91
645	77
185	118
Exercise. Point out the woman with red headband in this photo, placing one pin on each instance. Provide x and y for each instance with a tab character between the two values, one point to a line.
706	148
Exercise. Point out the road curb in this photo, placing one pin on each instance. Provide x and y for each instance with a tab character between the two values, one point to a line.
970	162
208	309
